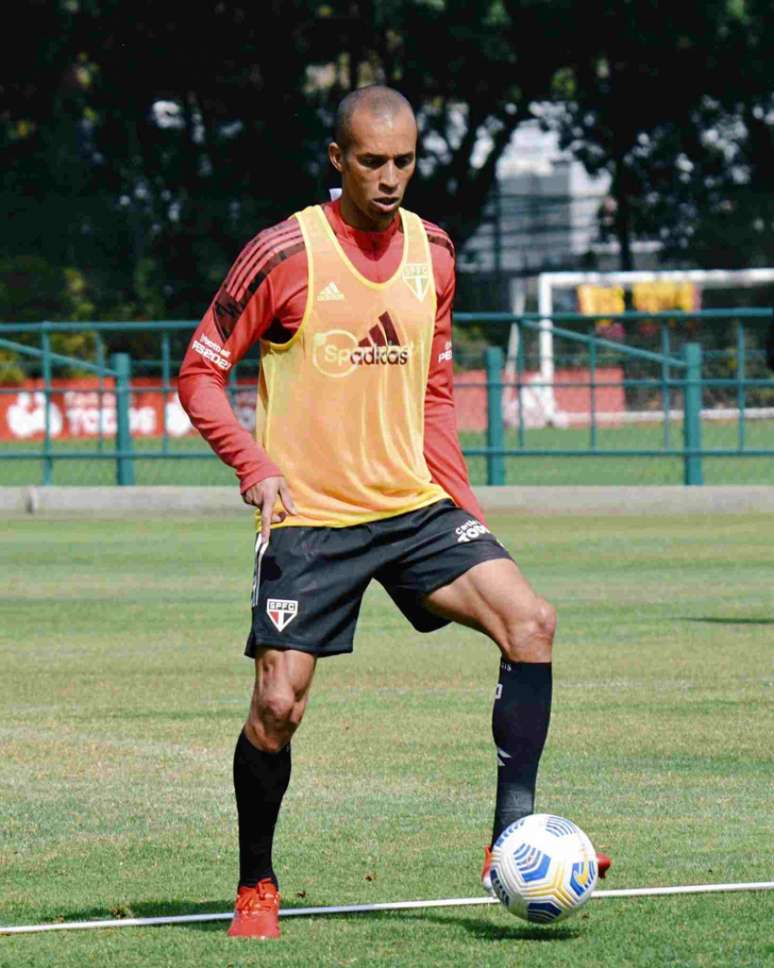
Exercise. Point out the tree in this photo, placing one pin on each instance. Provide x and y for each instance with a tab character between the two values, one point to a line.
470	74
726	199
144	144
634	96
153	143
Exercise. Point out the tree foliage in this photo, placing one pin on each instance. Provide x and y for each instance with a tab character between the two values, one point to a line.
675	103
145	143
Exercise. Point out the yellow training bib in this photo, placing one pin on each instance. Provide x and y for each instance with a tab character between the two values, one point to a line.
341	405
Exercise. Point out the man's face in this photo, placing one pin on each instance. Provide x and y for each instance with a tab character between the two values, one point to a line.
376	167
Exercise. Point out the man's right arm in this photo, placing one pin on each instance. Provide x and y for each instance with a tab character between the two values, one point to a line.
202	390
260	296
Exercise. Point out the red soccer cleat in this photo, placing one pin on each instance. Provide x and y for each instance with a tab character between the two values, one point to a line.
603	863
486	872
257	912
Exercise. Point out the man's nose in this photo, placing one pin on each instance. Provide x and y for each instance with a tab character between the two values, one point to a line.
389	175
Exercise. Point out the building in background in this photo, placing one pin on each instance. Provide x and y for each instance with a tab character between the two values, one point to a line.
543	214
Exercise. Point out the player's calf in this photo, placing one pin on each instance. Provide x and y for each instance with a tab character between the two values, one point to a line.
522	708
262	766
260	781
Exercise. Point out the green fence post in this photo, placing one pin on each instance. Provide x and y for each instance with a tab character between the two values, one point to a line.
666	396
741	388
692	418
495	437
593	391
48	464
122	364
100	391
166	378
520	366
232	386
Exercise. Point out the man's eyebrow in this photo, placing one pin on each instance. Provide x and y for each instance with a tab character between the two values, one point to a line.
374	154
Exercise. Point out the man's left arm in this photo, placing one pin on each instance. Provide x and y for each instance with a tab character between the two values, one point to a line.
443	454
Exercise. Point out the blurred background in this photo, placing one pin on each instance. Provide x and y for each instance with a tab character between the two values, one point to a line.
145	143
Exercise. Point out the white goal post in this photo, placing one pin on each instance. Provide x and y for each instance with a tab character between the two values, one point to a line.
549	282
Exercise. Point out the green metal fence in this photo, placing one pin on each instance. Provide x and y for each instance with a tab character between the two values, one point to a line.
633	398
119	371
694	391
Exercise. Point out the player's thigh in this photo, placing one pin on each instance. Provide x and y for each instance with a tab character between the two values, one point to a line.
492	596
429	549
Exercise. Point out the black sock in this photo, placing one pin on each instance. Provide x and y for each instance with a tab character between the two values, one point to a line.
520	717
260	782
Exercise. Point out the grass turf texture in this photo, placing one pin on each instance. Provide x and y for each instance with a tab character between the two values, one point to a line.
200	466
123	690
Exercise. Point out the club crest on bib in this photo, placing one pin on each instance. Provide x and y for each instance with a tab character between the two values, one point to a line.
281	611
416	275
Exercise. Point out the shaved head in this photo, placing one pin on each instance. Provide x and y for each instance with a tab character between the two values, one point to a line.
380	103
375	152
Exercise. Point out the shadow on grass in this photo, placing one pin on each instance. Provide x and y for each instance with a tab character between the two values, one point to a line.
517	931
723	620
480	928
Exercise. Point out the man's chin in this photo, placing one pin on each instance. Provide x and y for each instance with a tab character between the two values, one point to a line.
367	215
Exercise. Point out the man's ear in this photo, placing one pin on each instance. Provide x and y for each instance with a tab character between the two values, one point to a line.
335	156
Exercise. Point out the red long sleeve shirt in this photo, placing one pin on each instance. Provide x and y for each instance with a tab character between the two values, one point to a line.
264	297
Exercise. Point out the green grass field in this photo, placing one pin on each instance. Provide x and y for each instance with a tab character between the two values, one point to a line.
123	690
201	467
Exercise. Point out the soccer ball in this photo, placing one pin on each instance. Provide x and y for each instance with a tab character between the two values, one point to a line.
543	868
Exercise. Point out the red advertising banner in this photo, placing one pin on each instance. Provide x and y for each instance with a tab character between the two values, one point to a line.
77	409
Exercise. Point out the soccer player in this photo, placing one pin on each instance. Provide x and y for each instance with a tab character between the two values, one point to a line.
356	469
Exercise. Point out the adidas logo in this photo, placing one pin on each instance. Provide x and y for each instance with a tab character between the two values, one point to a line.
382	346
335	352
330	292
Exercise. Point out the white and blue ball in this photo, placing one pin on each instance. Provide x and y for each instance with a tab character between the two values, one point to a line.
544	868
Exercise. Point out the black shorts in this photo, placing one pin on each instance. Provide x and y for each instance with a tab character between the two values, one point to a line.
309	582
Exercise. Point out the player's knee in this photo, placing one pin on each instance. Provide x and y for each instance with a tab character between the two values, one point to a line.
529	636
274	718
545	620
277	707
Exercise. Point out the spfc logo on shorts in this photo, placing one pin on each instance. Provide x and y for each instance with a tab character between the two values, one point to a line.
416	275
281	611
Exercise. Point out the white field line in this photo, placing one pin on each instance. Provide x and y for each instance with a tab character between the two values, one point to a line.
366	908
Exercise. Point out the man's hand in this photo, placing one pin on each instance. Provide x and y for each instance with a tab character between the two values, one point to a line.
263	496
